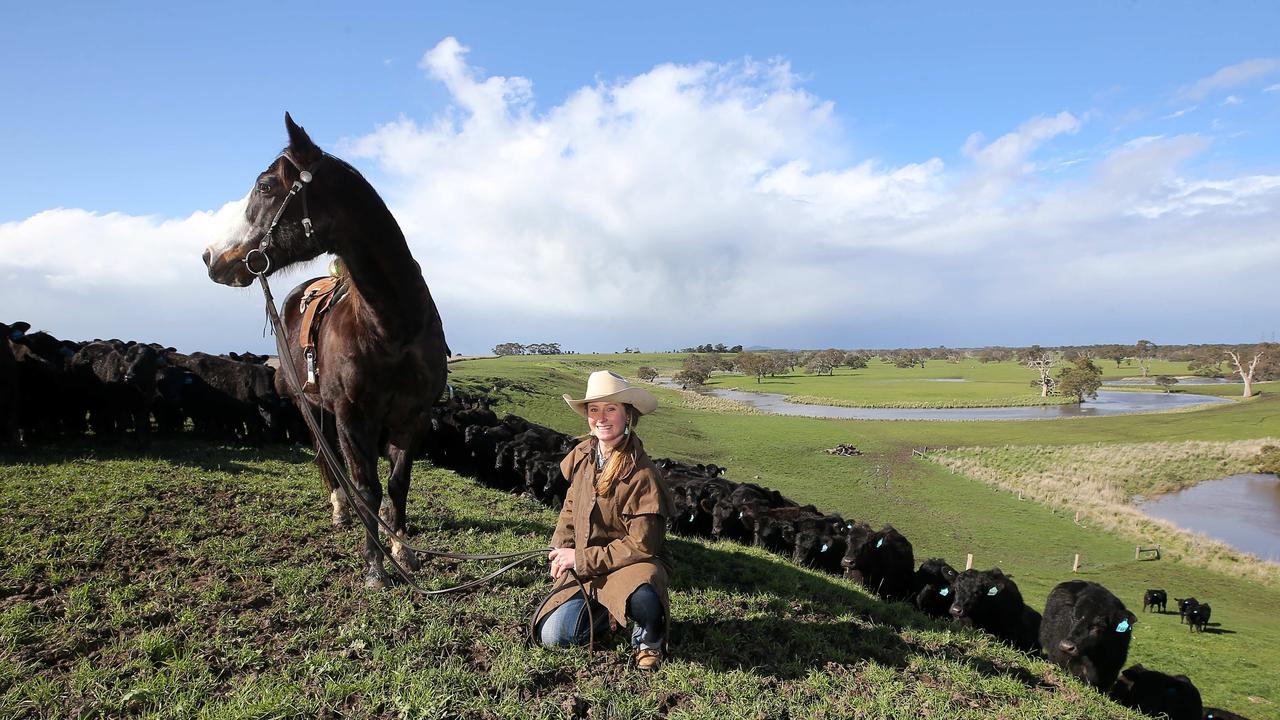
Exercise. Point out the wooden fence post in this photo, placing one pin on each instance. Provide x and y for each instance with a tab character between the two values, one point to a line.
1075	567
968	562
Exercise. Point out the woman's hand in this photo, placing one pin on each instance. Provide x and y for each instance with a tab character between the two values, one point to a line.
561	561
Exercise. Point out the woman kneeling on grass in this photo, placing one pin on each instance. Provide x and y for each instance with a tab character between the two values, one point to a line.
612	528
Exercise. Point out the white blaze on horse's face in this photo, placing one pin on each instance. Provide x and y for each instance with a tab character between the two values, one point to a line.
228	251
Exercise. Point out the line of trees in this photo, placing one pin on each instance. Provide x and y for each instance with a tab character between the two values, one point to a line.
709	348
512	348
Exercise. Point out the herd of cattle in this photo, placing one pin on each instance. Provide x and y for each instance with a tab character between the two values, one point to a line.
51	387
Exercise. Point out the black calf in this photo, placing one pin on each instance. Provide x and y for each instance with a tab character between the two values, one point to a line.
1158	694
1087	630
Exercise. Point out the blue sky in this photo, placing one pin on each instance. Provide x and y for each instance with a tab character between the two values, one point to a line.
922	140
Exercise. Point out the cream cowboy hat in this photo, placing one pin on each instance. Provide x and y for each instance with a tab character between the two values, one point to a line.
606	386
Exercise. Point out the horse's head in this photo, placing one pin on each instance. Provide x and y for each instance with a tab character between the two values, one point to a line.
285	218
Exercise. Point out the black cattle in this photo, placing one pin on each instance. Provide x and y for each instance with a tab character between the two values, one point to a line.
931	586
1184	607
1154	599
990	600
482	444
48	406
821	543
1087	630
1198	617
116	384
882	561
693	495
776	528
228	399
1155	693
733	516
10	388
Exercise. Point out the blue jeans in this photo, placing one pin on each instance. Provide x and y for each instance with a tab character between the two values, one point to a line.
568	624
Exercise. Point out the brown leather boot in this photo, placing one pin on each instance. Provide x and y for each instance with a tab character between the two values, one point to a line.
648	660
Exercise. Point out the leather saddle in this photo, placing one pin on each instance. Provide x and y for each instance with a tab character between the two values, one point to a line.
317	300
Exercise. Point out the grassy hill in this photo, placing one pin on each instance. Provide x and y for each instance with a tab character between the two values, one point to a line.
949	515
204	581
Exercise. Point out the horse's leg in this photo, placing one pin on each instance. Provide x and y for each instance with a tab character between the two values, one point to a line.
341	515
394	512
360	451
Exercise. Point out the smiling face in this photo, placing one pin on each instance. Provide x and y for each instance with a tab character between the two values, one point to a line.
607	421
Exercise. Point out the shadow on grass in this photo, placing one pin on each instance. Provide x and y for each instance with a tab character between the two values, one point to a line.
185	450
789	648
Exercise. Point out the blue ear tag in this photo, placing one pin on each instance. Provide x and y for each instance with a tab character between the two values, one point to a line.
1123	626
824	547
187	380
944	591
992	592
880	542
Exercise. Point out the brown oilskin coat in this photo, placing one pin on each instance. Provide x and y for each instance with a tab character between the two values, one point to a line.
619	539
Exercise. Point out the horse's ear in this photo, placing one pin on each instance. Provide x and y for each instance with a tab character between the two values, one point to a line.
303	150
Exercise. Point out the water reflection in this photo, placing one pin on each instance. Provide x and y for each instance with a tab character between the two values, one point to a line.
1242	510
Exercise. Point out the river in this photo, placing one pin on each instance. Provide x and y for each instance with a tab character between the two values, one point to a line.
1108	403
1242	511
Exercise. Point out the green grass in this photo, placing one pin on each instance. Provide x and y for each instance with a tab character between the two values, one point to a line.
199	581
949	515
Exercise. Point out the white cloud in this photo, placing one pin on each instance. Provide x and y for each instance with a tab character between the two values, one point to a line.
1231	100
704	202
1231	76
1179	113
1272	88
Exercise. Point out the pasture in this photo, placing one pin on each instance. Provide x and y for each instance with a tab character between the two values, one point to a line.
947	514
204	581
939	384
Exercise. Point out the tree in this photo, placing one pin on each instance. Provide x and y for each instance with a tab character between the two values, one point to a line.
1040	360
855	361
509	348
1144	351
749	363
1206	367
687	379
823	363
1246	376
1115	352
646	373
1081	380
1167	382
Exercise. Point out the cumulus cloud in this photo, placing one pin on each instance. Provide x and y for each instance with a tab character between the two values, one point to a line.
714	201
1230	77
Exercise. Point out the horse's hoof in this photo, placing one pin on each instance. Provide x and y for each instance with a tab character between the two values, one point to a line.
341	520
375	580
408	559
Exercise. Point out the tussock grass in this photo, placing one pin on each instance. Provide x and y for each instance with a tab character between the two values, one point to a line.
1102	481
202	581
697	401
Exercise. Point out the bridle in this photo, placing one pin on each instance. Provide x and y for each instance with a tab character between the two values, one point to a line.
371	519
299	188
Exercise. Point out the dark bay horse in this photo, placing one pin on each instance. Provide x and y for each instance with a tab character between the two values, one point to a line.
381	351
